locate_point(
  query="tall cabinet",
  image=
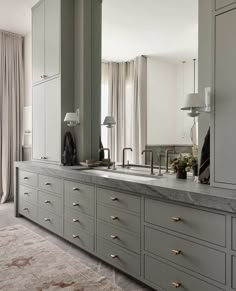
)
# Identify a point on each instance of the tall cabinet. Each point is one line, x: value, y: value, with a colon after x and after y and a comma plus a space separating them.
x: 53, y: 75
x: 223, y: 138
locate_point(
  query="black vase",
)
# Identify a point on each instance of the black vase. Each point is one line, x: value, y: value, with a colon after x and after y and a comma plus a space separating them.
x: 181, y: 174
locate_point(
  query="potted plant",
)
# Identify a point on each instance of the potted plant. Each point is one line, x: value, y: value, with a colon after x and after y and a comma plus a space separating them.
x: 180, y: 166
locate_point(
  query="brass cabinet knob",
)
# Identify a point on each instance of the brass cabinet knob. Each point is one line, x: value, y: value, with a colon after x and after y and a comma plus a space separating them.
x: 47, y: 219
x: 176, y: 219
x: 114, y: 236
x: 75, y: 220
x: 26, y: 178
x: 47, y: 184
x: 114, y: 256
x: 114, y: 217
x: 25, y: 209
x: 76, y: 189
x: 176, y: 285
x: 26, y: 193
x: 75, y: 236
x: 47, y: 201
x: 176, y: 253
x: 75, y: 204
x: 114, y: 199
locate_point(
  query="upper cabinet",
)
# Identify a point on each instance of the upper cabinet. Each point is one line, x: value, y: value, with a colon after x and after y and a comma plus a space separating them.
x: 223, y: 3
x: 223, y: 139
x: 46, y: 32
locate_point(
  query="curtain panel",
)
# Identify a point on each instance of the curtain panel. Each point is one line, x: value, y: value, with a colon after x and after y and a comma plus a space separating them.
x: 127, y: 103
x: 11, y: 95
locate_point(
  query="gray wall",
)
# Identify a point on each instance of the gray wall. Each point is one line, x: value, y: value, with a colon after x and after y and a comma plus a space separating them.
x: 204, y: 61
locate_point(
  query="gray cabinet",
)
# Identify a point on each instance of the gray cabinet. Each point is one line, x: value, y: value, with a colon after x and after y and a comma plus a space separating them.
x: 234, y: 233
x: 223, y: 139
x: 223, y: 3
x: 46, y: 39
x: 234, y: 273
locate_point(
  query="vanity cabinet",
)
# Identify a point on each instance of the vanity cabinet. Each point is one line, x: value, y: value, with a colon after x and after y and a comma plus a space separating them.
x: 46, y: 39
x: 53, y: 79
x: 163, y: 244
x: 46, y: 121
x: 223, y: 3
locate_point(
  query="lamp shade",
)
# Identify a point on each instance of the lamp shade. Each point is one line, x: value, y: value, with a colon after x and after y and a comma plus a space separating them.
x: 71, y: 116
x: 109, y: 121
x: 193, y: 101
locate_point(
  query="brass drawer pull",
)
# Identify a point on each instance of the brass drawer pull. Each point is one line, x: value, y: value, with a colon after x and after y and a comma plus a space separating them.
x: 47, y: 219
x: 114, y: 256
x: 114, y: 199
x: 114, y: 236
x: 47, y: 201
x: 26, y: 178
x: 75, y: 220
x: 176, y: 219
x: 25, y: 209
x: 76, y: 189
x: 75, y: 204
x: 176, y: 253
x: 114, y: 217
x: 176, y: 285
x: 26, y: 193
x: 75, y: 236
x: 47, y: 184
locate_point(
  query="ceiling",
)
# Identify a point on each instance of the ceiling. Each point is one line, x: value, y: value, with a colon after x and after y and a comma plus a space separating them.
x: 165, y: 28
x: 15, y: 15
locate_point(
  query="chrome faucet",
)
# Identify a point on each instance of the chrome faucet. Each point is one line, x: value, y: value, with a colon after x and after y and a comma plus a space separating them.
x: 167, y: 158
x: 109, y: 156
x: 151, y: 152
x: 123, y: 159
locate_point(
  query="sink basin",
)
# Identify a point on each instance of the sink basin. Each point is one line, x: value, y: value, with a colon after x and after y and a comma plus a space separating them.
x: 122, y: 176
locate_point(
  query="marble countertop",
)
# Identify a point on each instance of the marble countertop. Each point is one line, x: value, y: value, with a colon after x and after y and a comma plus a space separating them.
x: 166, y: 187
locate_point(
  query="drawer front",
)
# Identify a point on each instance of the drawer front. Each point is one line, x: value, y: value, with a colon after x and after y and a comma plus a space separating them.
x: 28, y: 178
x: 80, y: 220
x: 168, y: 278
x: 119, y: 200
x: 234, y: 233
x: 119, y: 218
x: 80, y: 203
x: 118, y: 257
x: 196, y: 223
x: 78, y: 237
x: 234, y: 272
x: 28, y: 210
x: 51, y: 184
x: 223, y: 3
x: 28, y: 194
x: 50, y: 221
x: 192, y: 256
x: 83, y: 190
x: 51, y: 203
x: 118, y: 237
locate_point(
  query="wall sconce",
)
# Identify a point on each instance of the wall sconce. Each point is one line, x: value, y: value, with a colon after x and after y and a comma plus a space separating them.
x: 109, y: 121
x: 72, y: 118
x: 194, y: 104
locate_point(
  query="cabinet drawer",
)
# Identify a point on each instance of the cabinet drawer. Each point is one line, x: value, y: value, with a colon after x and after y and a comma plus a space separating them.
x: 165, y: 276
x: 80, y: 220
x: 234, y: 233
x: 79, y: 202
x: 50, y: 221
x: 119, y: 257
x: 119, y: 218
x: 192, y: 256
x: 28, y: 194
x: 28, y: 210
x: 28, y: 178
x: 78, y: 237
x: 196, y: 223
x: 118, y: 237
x: 234, y: 272
x: 51, y: 203
x: 51, y: 184
x: 119, y: 200
x: 223, y: 3
x: 83, y: 190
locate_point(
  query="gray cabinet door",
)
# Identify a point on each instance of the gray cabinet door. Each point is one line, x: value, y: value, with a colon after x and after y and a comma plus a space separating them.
x: 234, y: 272
x: 38, y: 42
x: 225, y: 99
x: 52, y: 37
x: 223, y: 3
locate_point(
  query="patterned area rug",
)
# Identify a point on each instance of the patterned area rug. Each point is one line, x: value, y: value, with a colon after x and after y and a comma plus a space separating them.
x: 30, y: 262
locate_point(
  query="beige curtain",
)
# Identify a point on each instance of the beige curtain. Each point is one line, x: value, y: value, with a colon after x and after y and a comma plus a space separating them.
x: 11, y: 94
x: 127, y: 96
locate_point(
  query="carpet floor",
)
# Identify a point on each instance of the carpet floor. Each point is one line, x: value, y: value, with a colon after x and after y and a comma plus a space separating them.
x: 31, y: 262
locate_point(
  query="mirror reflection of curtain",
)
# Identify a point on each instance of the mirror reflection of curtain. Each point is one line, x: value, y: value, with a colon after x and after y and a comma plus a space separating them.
x: 11, y: 95
x: 124, y: 96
